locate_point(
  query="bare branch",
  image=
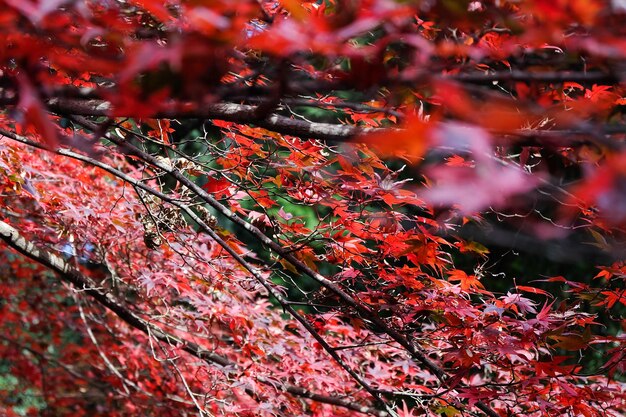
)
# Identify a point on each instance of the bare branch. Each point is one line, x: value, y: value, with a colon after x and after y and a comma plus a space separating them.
x: 230, y: 112
x: 329, y: 132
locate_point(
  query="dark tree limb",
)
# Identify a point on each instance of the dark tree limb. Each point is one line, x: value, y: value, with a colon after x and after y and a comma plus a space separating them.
x: 542, y: 77
x: 230, y: 112
x: 84, y: 105
x: 329, y: 132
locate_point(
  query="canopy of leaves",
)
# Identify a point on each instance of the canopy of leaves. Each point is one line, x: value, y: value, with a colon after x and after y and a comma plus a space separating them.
x: 289, y: 208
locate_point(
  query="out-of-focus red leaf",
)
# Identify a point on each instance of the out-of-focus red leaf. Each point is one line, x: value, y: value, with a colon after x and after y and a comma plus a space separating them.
x: 410, y: 142
x: 295, y: 9
x: 35, y: 11
x: 494, y: 113
x: 155, y: 7
x: 35, y: 113
x: 473, y: 189
x: 605, y: 189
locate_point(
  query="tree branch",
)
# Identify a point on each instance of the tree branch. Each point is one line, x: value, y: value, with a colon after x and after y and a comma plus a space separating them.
x: 255, y: 273
x: 85, y: 284
x: 363, y: 310
x: 542, y: 77
x: 74, y: 277
x: 230, y: 112
x: 329, y: 132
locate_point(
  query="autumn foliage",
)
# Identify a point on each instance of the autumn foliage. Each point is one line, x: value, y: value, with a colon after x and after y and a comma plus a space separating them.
x: 324, y: 208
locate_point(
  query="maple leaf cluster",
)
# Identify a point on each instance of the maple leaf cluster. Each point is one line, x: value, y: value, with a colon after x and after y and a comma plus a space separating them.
x: 315, y: 208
